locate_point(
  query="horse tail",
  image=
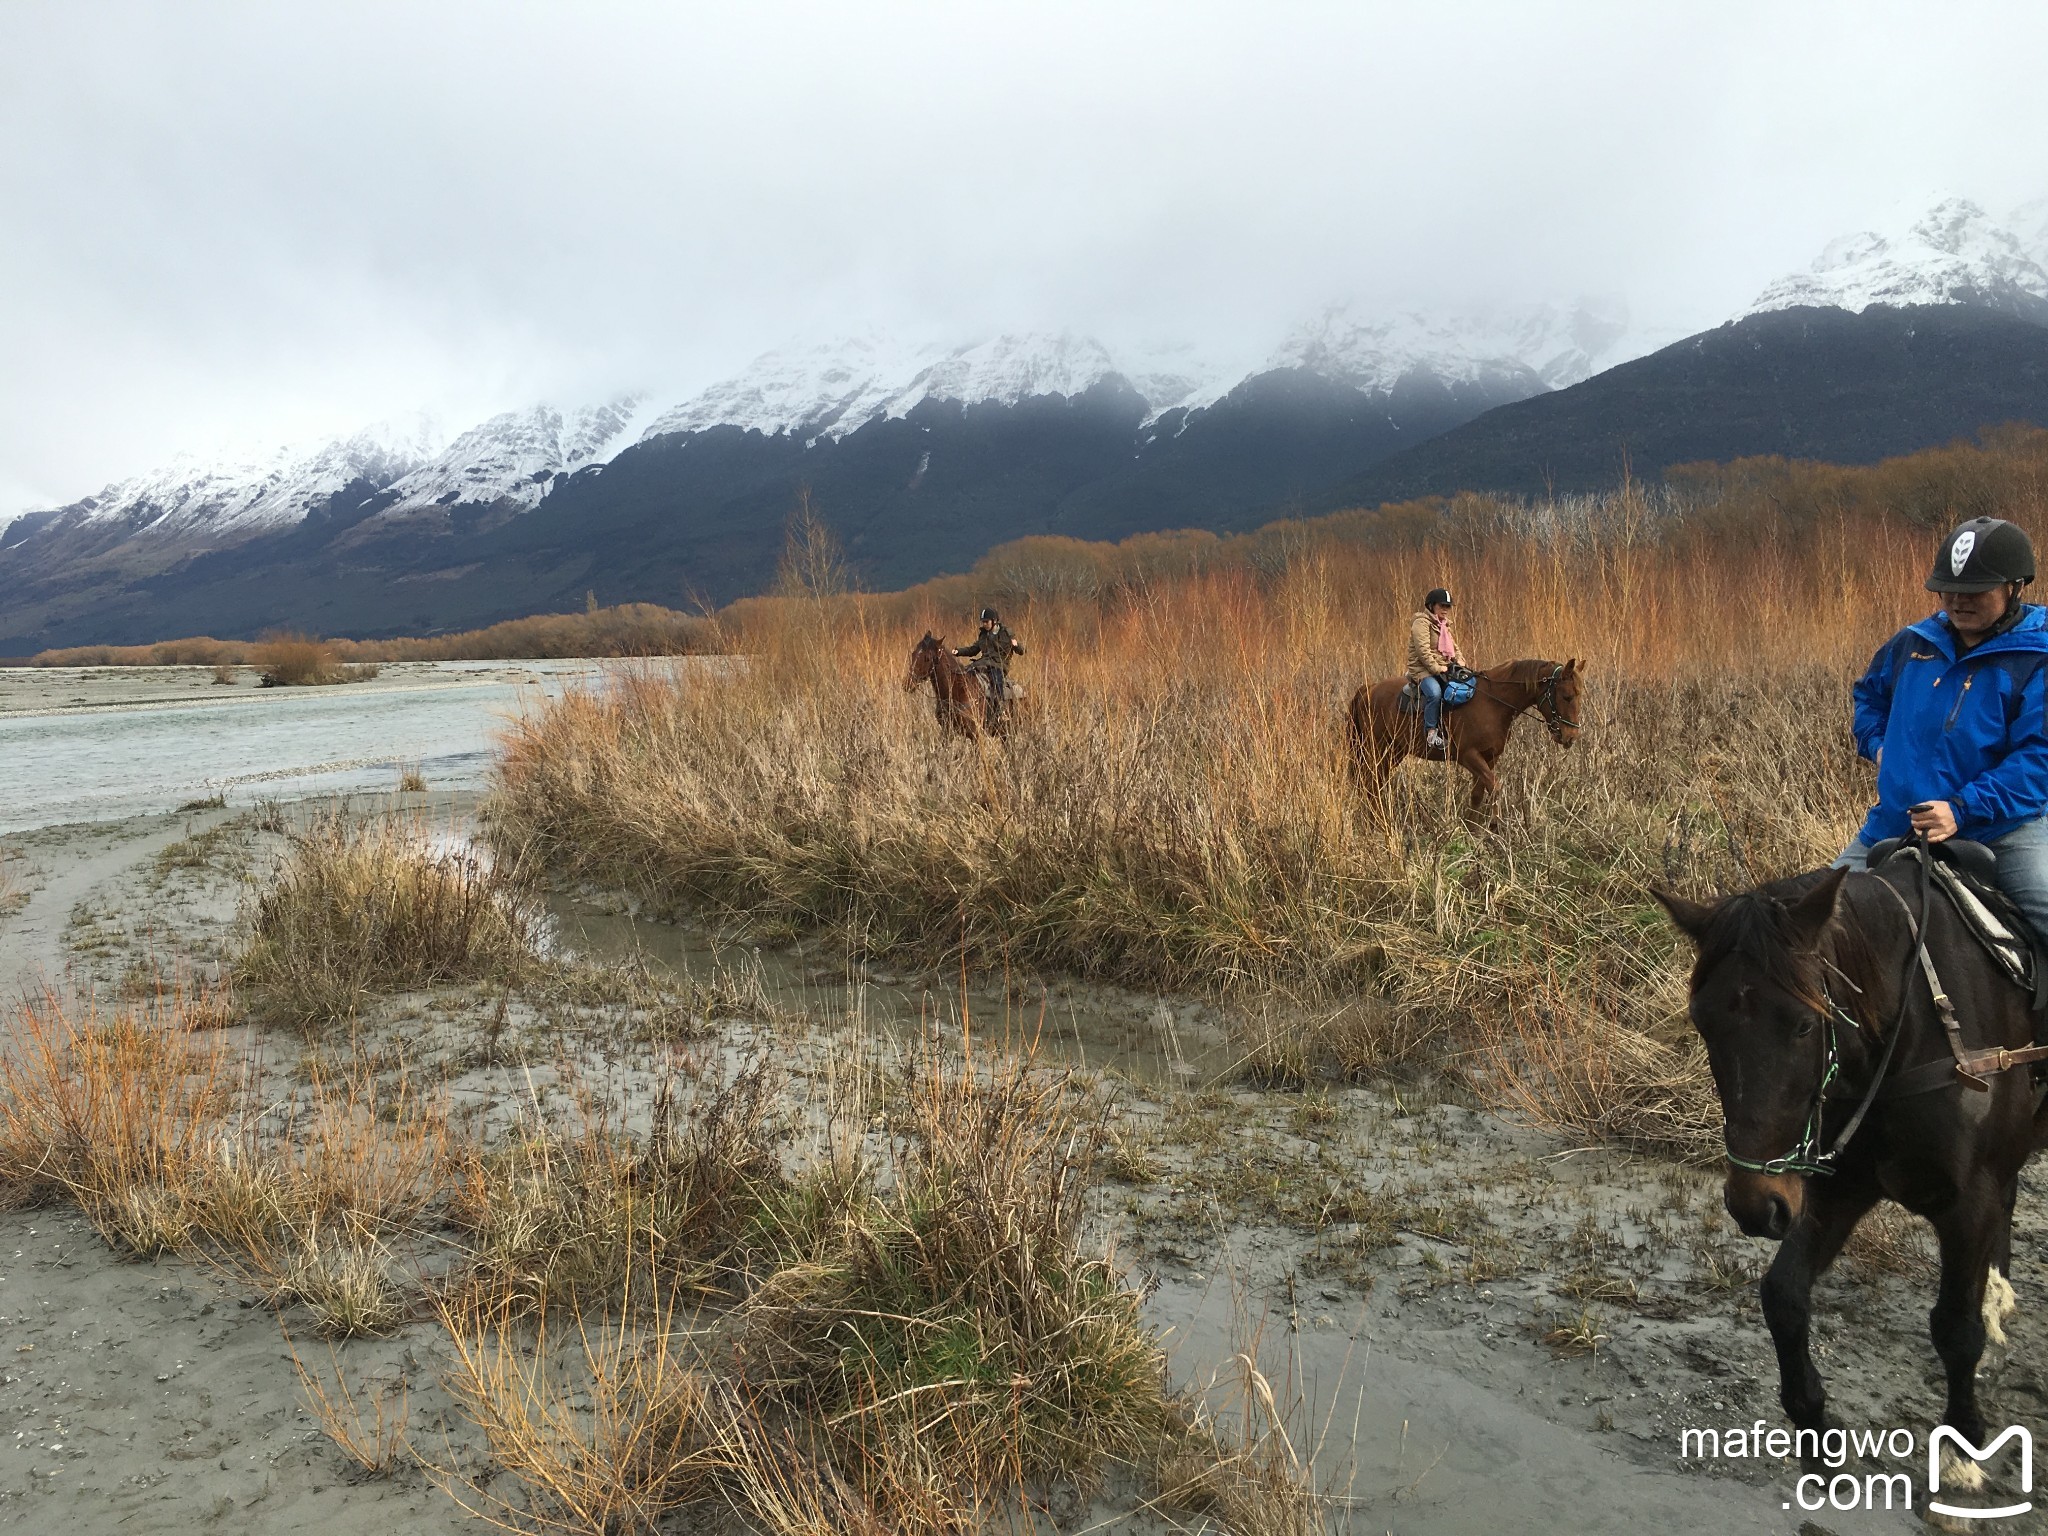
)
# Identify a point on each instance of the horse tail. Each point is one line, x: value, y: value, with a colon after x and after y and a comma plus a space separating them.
x: 1355, y: 737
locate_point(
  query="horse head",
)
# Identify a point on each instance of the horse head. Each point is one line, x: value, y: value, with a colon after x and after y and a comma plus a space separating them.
x: 924, y: 660
x: 1759, y: 1002
x: 1560, y: 703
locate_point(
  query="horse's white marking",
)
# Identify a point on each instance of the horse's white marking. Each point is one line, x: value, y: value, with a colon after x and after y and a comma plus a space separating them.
x: 1961, y: 1472
x: 1999, y: 1303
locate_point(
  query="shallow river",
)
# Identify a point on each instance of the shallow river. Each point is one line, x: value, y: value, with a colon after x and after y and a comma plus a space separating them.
x: 97, y: 743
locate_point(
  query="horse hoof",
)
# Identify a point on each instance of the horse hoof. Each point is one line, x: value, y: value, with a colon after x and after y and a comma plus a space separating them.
x: 2000, y: 1302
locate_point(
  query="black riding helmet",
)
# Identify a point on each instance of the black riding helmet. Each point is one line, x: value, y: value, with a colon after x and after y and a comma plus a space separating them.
x: 988, y: 616
x: 1983, y: 553
x: 1437, y: 596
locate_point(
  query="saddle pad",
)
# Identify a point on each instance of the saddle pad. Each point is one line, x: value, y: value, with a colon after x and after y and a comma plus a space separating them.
x: 1993, y: 921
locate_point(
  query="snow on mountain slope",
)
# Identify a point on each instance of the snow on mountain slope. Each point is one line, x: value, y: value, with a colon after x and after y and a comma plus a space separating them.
x: 516, y: 456
x: 1545, y: 346
x: 832, y: 387
x: 242, y: 494
x: 1952, y: 254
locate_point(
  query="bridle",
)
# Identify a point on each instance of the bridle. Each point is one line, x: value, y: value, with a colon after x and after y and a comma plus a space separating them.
x: 1807, y: 1157
x: 1554, y: 718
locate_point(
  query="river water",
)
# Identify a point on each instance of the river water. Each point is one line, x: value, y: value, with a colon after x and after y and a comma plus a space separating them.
x: 101, y: 743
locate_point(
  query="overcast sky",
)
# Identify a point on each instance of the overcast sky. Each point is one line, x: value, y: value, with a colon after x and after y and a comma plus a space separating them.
x: 250, y: 222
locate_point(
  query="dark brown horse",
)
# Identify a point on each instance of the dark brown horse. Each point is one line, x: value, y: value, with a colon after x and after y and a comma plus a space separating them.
x: 1841, y: 1085
x: 1380, y: 735
x: 961, y: 702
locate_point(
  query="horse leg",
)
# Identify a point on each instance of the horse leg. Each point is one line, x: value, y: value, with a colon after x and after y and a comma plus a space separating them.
x: 1999, y: 1300
x: 1484, y: 781
x: 1830, y: 1215
x: 1970, y: 1231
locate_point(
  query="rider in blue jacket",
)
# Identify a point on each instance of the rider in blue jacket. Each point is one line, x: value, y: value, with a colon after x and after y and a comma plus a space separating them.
x: 1954, y: 711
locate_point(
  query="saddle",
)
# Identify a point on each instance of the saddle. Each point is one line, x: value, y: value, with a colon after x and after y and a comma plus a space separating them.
x: 1459, y: 686
x: 1964, y: 873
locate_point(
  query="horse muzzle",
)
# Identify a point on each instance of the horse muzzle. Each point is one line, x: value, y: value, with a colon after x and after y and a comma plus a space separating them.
x: 1764, y: 1204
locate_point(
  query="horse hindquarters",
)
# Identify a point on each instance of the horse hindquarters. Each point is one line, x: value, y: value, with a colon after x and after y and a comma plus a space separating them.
x: 1374, y: 742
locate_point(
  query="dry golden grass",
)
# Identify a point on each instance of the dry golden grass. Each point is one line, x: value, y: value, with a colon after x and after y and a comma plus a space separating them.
x: 147, y: 1122
x: 672, y: 1319
x: 1176, y: 811
x: 913, y: 1347
x: 549, y: 1217
x: 295, y: 661
x: 367, y: 906
x: 368, y: 1426
x: 110, y: 1111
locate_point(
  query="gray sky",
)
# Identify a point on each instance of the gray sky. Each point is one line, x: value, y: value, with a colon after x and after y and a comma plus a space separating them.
x: 246, y: 222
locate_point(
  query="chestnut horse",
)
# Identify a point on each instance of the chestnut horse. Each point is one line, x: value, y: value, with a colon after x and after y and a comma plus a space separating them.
x: 962, y: 705
x: 1380, y: 735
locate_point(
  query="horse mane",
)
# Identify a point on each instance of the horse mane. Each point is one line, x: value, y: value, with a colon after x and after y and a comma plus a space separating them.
x: 1754, y: 932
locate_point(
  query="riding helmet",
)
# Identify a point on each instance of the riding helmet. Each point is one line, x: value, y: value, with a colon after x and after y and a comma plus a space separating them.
x: 1438, y: 596
x: 1983, y: 553
x: 988, y: 616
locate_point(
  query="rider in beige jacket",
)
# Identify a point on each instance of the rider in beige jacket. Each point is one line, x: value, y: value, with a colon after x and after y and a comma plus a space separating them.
x: 1431, y: 652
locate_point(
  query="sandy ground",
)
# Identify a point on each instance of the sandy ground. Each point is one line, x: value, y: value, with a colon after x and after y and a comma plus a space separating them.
x: 1432, y: 1351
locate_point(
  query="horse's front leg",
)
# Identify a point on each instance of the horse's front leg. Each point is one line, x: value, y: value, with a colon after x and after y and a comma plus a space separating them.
x: 1970, y: 1231
x: 1485, y: 783
x: 1830, y: 1215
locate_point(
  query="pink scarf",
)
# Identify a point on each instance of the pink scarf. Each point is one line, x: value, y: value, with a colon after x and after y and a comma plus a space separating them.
x: 1446, y: 647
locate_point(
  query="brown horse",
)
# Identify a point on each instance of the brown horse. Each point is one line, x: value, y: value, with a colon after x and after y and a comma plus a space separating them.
x: 1380, y: 735
x: 961, y: 703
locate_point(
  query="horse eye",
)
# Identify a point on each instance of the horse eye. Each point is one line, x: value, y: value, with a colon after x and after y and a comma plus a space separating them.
x: 1805, y: 1027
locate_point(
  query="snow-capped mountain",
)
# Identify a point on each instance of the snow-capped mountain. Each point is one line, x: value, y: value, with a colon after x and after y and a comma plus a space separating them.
x: 241, y: 494
x: 513, y: 459
x: 1350, y: 361
x: 1952, y: 254
x: 834, y: 388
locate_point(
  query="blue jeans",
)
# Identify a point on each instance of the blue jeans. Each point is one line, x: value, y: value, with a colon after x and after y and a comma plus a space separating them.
x: 2022, y: 868
x: 1432, y: 702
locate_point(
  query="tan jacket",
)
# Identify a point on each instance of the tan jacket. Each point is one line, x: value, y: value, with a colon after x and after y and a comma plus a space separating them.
x: 1423, y: 656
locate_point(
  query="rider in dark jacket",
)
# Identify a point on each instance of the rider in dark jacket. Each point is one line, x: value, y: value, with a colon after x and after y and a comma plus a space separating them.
x: 1954, y: 711
x: 990, y: 656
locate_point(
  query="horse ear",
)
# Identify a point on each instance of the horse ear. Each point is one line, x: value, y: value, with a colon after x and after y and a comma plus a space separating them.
x: 1692, y: 917
x: 1811, y: 913
x: 1571, y: 666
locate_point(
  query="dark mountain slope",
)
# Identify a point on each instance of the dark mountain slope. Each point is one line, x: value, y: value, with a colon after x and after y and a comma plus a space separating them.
x: 1806, y: 383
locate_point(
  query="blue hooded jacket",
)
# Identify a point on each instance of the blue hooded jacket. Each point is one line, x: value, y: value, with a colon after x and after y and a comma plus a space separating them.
x: 1971, y: 729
